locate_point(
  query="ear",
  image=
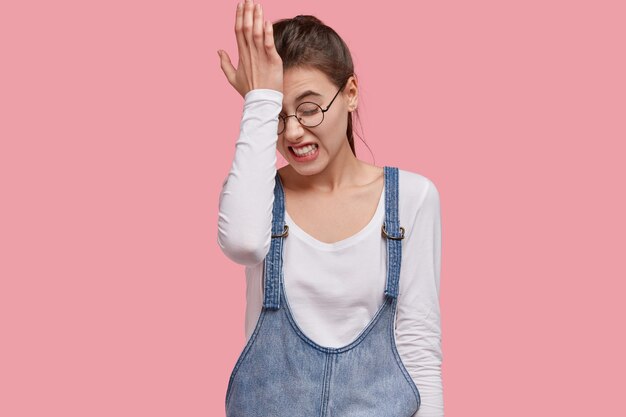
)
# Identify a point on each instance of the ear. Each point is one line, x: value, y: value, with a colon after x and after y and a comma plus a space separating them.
x: 352, y: 93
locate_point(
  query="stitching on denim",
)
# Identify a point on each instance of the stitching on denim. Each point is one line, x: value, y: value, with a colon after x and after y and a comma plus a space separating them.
x: 328, y: 368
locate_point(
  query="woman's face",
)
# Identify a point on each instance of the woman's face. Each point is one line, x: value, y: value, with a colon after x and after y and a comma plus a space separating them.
x: 330, y: 136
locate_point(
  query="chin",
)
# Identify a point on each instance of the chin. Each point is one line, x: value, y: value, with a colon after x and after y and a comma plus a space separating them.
x: 309, y: 169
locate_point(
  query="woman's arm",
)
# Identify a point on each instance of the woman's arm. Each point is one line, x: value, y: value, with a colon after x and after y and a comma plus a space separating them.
x: 418, y: 324
x: 247, y: 196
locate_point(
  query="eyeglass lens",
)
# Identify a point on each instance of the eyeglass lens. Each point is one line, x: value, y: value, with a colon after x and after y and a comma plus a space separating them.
x: 308, y: 114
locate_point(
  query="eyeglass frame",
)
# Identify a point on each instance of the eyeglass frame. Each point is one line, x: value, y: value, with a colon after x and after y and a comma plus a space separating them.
x: 284, y: 118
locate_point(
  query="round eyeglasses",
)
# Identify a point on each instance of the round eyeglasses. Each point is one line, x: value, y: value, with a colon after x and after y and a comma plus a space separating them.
x: 309, y: 114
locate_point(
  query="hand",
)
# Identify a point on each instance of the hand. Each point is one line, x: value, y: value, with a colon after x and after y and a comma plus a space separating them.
x: 259, y: 65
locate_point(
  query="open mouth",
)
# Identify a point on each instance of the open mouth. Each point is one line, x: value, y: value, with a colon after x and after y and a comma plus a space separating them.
x: 303, y: 151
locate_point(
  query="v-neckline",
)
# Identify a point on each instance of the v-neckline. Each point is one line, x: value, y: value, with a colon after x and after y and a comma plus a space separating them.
x: 375, y: 222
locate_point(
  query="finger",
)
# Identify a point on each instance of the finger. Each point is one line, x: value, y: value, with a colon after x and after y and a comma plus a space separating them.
x: 270, y: 47
x: 247, y: 22
x: 241, y: 41
x: 227, y: 67
x: 257, y: 29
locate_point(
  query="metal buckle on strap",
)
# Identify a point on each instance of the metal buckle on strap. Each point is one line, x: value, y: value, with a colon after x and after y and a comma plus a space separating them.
x: 285, y: 232
x: 384, y: 232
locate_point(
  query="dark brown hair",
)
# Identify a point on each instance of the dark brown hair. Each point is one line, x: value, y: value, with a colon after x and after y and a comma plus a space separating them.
x: 305, y: 41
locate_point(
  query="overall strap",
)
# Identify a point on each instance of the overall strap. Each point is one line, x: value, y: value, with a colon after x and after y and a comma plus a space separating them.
x: 392, y: 231
x: 273, y: 270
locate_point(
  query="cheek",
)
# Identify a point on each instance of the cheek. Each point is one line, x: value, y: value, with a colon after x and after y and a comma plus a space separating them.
x: 281, y: 149
x: 333, y: 135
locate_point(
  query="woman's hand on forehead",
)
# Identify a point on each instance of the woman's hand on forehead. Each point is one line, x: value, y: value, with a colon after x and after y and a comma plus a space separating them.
x: 259, y: 64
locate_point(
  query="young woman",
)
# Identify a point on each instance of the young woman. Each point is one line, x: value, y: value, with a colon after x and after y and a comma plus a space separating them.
x: 342, y: 257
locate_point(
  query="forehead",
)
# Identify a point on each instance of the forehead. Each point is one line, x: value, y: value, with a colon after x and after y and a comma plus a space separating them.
x: 299, y: 80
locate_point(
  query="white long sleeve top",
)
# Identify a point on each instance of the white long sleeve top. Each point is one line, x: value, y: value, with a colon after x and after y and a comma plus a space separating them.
x: 334, y: 289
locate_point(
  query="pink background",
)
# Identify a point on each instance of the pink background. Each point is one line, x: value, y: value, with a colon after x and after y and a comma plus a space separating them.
x: 118, y: 128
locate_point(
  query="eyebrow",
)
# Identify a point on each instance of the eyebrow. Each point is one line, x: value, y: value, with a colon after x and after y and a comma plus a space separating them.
x: 303, y: 95
x: 306, y: 94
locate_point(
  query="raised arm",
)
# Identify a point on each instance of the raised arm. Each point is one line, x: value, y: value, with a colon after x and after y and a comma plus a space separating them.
x: 246, y: 199
x: 247, y: 196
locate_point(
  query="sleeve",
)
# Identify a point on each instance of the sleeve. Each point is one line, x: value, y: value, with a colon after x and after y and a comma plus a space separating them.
x: 418, y: 324
x: 247, y: 196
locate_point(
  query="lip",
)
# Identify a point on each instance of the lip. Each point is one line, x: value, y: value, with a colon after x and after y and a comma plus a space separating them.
x: 300, y: 146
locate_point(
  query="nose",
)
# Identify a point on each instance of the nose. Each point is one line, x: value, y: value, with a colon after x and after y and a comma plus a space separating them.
x: 293, y: 128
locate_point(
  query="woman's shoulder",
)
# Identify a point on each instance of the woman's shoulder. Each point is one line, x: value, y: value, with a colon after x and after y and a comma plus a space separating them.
x: 414, y: 182
x: 415, y: 190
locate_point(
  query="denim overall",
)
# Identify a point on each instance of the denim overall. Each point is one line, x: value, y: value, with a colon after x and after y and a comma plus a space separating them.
x: 283, y: 373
